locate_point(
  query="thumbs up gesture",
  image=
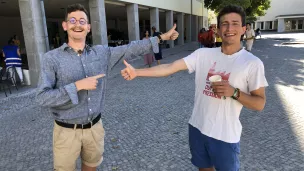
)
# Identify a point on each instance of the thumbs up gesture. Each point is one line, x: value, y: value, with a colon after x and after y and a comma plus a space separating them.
x: 89, y: 83
x: 129, y: 72
x: 172, y: 34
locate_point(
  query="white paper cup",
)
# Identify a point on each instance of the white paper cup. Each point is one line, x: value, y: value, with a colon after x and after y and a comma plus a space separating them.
x: 215, y: 78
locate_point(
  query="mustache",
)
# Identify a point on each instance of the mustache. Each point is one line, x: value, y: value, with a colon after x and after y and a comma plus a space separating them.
x: 77, y: 27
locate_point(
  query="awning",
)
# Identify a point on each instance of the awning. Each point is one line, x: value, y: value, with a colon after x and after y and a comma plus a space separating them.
x: 290, y: 16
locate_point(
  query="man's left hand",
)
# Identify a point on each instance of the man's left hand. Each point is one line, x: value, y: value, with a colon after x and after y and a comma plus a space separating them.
x: 222, y: 88
x: 172, y: 34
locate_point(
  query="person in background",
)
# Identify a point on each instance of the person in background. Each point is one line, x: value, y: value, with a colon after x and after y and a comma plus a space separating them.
x: 211, y: 37
x: 200, y: 38
x: 159, y: 55
x: 11, y: 53
x: 16, y: 40
x: 258, y: 33
x: 218, y: 40
x: 148, y: 58
x: 249, y: 37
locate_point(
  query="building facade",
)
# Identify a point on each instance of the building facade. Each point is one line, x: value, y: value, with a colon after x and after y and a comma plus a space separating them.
x: 283, y: 16
x: 38, y: 23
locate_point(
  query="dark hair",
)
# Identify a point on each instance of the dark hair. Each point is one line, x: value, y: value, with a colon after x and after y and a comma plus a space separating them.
x: 75, y: 7
x: 248, y: 24
x: 232, y: 9
x: 145, y: 33
x: 10, y: 41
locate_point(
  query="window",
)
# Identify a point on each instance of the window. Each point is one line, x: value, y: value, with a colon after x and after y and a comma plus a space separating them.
x: 270, y: 25
x: 262, y: 25
x: 294, y: 24
x: 288, y: 25
x: 300, y: 25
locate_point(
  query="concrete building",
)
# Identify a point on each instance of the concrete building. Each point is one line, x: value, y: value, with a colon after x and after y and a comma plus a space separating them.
x: 283, y: 16
x: 38, y: 23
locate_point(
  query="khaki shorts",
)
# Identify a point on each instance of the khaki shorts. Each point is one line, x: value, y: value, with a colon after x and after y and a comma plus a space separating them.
x: 69, y: 143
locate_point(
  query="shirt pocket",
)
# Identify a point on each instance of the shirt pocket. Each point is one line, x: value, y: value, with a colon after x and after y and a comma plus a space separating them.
x: 95, y: 67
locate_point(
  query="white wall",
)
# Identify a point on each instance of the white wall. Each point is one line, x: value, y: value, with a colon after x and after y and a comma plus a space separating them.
x: 174, y: 5
x: 283, y: 7
x: 197, y: 7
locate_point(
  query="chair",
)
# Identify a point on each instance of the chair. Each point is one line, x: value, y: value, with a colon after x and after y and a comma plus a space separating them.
x: 10, y: 77
x: 4, y: 84
x: 7, y: 80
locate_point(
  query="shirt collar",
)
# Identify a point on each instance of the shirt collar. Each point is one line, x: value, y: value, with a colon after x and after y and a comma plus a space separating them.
x: 65, y: 47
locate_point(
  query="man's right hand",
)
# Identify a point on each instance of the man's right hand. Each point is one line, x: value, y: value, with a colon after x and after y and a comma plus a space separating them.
x: 89, y: 83
x: 129, y: 72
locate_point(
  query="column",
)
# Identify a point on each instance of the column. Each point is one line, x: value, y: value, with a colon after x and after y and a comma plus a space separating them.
x: 256, y: 25
x: 154, y: 19
x: 180, y: 28
x: 281, y: 25
x: 47, y: 44
x: 169, y: 25
x: 200, y: 23
x: 98, y: 22
x: 205, y: 22
x: 194, y: 27
x: 33, y: 26
x: 265, y: 26
x: 133, y: 22
x: 188, y: 28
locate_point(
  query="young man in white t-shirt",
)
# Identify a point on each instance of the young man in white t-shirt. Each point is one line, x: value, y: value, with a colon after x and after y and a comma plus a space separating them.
x: 214, y: 127
x: 249, y: 37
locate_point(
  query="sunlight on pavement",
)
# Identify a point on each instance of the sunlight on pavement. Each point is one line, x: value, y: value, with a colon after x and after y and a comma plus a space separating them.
x: 292, y: 101
x: 296, y: 36
x: 291, y: 45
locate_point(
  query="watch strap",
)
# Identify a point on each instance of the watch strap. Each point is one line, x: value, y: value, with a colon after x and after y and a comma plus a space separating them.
x: 236, y: 94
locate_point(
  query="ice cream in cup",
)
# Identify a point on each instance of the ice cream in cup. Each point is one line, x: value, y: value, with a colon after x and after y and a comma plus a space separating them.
x: 216, y: 78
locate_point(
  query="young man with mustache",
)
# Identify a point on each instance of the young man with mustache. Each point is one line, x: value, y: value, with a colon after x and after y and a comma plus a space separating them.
x: 72, y: 84
x: 214, y: 127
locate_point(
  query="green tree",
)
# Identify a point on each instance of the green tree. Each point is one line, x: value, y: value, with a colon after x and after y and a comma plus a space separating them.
x: 253, y: 8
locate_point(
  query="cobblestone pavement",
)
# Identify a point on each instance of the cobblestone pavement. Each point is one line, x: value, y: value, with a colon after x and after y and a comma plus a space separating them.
x: 146, y: 120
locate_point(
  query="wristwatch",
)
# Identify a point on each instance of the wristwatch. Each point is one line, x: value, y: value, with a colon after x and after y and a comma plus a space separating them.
x: 161, y: 41
x: 236, y: 94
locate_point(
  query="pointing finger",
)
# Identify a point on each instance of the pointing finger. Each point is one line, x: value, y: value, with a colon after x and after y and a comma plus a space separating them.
x: 99, y: 76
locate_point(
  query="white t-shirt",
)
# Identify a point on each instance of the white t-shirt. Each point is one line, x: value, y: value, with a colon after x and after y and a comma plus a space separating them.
x: 215, y: 116
x: 249, y: 34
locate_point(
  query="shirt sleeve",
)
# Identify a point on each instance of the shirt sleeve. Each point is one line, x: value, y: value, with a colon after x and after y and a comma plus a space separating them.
x: 256, y: 78
x: 47, y: 95
x: 252, y: 33
x: 133, y: 50
x: 191, y: 61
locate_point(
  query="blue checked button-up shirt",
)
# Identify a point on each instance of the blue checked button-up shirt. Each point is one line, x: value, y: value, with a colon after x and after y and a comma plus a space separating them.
x: 62, y: 67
